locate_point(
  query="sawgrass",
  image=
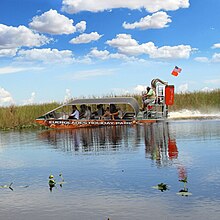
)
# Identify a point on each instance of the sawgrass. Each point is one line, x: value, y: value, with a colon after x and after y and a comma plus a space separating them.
x: 205, y: 102
x: 21, y: 117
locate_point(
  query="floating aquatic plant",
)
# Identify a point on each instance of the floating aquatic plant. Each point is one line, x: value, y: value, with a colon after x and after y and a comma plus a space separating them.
x: 161, y: 186
x: 184, y: 191
x: 62, y: 180
x: 7, y: 186
x: 184, y: 180
x: 52, y: 182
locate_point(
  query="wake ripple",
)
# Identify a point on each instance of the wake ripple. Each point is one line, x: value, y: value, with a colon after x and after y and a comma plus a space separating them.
x: 189, y: 114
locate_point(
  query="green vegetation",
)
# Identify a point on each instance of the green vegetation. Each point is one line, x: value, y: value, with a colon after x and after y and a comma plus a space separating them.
x: 205, y: 102
x: 20, y: 117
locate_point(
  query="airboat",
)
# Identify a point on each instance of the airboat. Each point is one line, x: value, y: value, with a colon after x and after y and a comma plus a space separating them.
x: 131, y: 112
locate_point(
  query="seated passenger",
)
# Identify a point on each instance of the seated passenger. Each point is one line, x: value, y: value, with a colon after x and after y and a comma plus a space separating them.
x: 82, y: 111
x: 75, y: 113
x: 87, y: 114
x: 148, y: 97
x: 107, y: 114
x: 114, y: 111
x: 99, y: 112
x: 120, y: 113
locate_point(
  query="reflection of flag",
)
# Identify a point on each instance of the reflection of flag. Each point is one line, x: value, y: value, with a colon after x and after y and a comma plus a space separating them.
x: 172, y: 149
x: 176, y: 71
x: 182, y: 172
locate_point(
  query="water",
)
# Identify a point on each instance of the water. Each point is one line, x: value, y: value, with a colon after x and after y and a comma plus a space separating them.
x: 193, y: 114
x: 110, y: 172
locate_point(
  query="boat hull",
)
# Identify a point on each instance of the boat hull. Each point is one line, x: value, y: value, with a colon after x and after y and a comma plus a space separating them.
x: 73, y: 124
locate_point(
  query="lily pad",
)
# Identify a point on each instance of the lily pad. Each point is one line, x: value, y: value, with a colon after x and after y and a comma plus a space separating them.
x: 184, y: 193
x: 161, y: 186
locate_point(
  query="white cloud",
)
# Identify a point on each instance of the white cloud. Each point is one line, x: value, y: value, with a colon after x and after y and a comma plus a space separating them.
x: 122, y: 40
x: 8, y: 52
x: 174, y: 52
x: 122, y: 57
x: 83, y: 75
x: 86, y: 38
x: 68, y: 95
x: 216, y: 46
x: 74, y: 6
x: 126, y: 45
x: 216, y: 58
x: 183, y: 88
x: 213, y: 81
x: 16, y: 37
x: 47, y: 55
x: 146, y: 48
x: 5, y: 97
x: 101, y: 54
x: 207, y: 89
x: 202, y: 59
x: 135, y: 90
x: 104, y: 55
x: 120, y: 91
x: 11, y: 69
x: 155, y: 21
x: 139, y: 88
x: 53, y: 23
x: 30, y: 100
x: 81, y: 26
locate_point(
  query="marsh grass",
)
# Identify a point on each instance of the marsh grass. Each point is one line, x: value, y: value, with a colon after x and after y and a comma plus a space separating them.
x: 205, y: 102
x: 21, y: 117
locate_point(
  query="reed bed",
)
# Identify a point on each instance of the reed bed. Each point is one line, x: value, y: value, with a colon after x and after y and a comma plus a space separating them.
x: 20, y: 117
x: 205, y: 102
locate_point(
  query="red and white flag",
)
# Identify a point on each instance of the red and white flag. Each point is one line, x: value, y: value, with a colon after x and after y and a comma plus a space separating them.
x: 176, y: 71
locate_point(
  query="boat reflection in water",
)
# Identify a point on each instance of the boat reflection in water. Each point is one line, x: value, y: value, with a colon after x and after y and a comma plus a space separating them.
x: 99, y: 139
x: 155, y: 140
x: 159, y: 144
x: 110, y: 172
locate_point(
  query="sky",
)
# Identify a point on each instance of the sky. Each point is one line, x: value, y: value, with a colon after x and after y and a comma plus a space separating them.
x: 54, y: 50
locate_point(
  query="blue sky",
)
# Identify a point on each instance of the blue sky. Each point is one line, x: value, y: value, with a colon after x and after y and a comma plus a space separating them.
x: 52, y: 50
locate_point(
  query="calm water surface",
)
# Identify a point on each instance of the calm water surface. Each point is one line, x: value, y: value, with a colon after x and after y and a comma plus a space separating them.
x: 110, y: 172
